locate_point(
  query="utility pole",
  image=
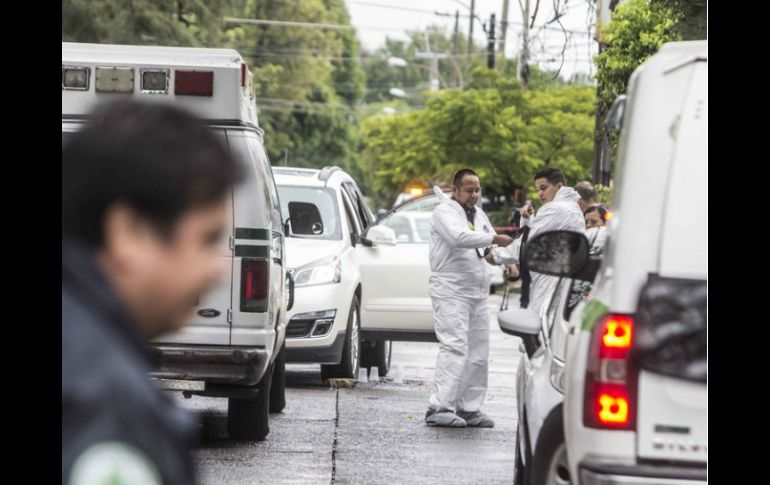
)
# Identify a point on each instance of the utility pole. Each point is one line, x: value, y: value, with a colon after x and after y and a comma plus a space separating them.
x: 524, y: 56
x: 470, y: 32
x: 456, y: 80
x: 491, y: 43
x: 601, y: 143
x: 503, y: 29
x: 456, y: 33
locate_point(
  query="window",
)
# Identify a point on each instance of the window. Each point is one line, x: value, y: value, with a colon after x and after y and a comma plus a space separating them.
x: 359, y: 204
x: 411, y: 222
x: 355, y: 224
x: 322, y: 198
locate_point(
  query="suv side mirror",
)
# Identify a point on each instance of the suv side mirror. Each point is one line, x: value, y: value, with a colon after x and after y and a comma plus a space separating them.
x: 523, y: 323
x: 305, y: 219
x: 380, y: 234
x: 519, y: 322
x: 557, y: 253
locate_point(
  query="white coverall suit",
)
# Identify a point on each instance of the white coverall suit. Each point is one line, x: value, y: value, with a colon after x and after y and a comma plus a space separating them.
x: 459, y: 287
x: 561, y: 214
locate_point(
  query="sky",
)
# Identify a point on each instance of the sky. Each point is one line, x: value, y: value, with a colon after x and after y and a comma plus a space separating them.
x: 375, y: 20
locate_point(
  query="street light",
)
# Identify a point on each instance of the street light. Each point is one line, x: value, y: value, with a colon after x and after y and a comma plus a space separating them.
x: 397, y: 62
x: 397, y: 93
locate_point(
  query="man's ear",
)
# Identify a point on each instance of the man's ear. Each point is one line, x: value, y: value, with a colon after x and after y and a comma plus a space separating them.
x: 126, y: 234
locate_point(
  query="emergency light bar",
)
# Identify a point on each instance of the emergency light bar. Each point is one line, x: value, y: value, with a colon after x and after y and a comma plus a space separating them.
x: 92, y: 73
x: 152, y: 81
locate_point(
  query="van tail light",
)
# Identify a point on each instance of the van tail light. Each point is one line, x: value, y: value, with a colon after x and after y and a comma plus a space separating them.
x: 255, y: 284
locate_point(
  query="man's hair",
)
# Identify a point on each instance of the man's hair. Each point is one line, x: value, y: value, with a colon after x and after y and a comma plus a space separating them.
x: 586, y: 190
x: 157, y: 159
x: 457, y: 178
x: 597, y: 208
x: 553, y: 175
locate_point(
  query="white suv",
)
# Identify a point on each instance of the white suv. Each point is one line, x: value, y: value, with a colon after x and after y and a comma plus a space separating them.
x: 541, y: 456
x: 324, y: 326
x: 636, y: 399
x: 358, y: 285
x: 653, y: 283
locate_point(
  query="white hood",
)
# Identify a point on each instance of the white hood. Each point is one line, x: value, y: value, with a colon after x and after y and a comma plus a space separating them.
x: 300, y: 252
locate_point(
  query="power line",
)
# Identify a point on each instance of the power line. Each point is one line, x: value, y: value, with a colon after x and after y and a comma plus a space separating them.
x: 408, y: 9
x: 317, y: 56
x: 546, y: 27
x: 287, y: 23
x: 306, y: 25
x: 462, y: 4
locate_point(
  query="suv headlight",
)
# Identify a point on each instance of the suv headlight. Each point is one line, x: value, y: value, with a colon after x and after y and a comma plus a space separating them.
x: 322, y: 272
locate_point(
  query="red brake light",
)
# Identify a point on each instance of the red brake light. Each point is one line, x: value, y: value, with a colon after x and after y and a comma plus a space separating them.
x: 613, y: 407
x: 194, y: 83
x: 616, y: 331
x: 610, y: 385
x: 243, y: 74
x: 255, y: 280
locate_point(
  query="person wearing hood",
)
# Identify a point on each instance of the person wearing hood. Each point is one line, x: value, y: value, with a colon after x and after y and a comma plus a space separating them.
x: 459, y: 288
x: 560, y: 211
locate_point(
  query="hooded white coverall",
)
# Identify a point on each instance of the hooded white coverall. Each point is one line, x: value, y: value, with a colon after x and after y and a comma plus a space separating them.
x: 597, y: 238
x: 459, y: 287
x: 561, y: 214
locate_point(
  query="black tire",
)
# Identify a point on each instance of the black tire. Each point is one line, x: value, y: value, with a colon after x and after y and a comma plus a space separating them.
x: 549, y: 464
x: 377, y: 354
x: 247, y: 419
x: 278, y: 386
x: 521, y: 474
x: 518, y: 472
x: 351, y: 350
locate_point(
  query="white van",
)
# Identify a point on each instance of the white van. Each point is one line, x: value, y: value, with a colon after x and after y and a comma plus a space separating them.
x: 636, y: 401
x: 234, y: 345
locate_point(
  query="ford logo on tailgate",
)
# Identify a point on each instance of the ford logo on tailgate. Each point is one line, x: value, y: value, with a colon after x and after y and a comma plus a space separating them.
x: 209, y: 313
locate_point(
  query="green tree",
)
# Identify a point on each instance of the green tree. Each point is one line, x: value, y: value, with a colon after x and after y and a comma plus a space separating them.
x: 381, y: 77
x: 693, y: 22
x: 140, y: 22
x: 637, y: 30
x: 493, y: 126
x: 307, y: 80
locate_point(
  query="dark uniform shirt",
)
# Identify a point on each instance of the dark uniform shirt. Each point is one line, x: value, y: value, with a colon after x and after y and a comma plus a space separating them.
x: 112, y: 414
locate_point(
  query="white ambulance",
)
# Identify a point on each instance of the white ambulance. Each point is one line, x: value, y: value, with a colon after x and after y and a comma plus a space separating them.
x: 234, y: 345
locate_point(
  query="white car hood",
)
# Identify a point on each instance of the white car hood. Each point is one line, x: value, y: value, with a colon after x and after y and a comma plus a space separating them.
x: 300, y: 252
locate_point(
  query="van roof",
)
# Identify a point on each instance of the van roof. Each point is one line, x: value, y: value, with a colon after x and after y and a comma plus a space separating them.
x: 308, y: 176
x: 229, y: 99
